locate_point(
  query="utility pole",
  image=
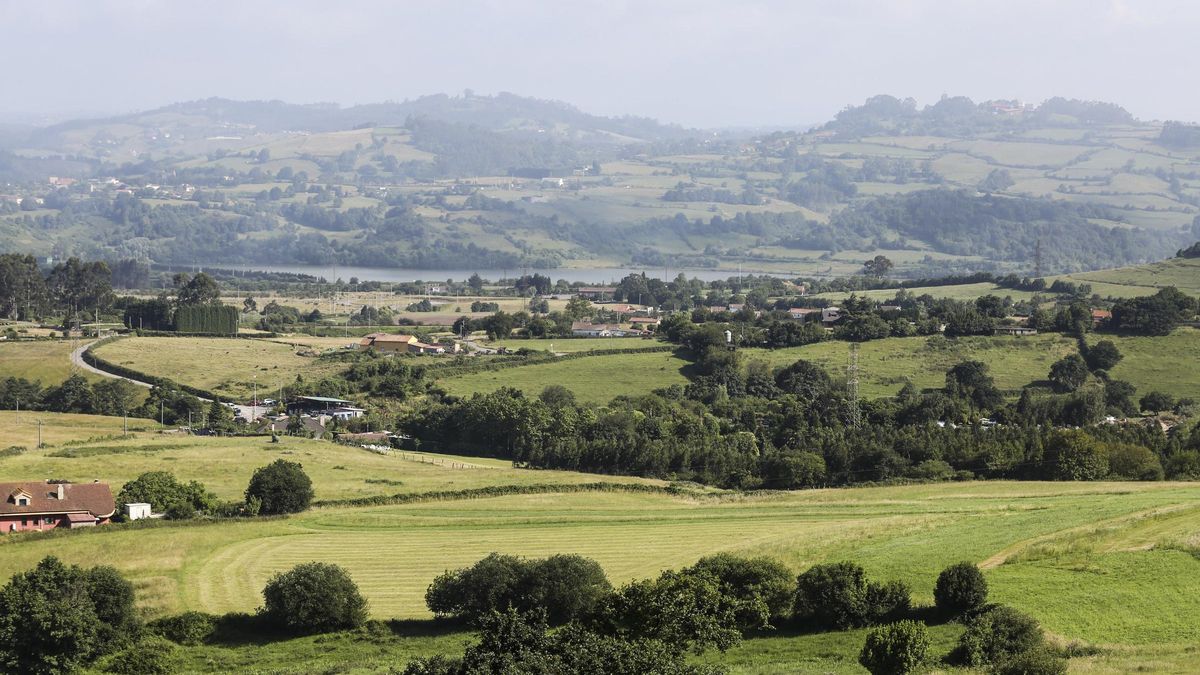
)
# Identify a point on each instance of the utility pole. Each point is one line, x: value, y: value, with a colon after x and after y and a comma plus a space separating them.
x: 124, y: 423
x: 1037, y: 259
x: 162, y: 424
x: 39, y: 433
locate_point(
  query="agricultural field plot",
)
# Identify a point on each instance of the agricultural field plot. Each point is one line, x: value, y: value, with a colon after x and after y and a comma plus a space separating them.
x: 48, y: 361
x: 572, y: 345
x: 1094, y: 562
x: 594, y: 379
x: 1169, y: 364
x: 1023, y: 154
x: 224, y: 366
x: 1182, y: 273
x: 224, y: 465
x: 885, y: 365
x: 955, y: 292
x: 21, y: 429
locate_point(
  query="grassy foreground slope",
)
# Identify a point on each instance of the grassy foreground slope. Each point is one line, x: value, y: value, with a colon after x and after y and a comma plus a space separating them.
x: 1108, y: 563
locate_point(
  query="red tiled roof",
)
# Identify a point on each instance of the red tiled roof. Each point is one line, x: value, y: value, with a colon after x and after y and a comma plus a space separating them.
x: 94, y: 498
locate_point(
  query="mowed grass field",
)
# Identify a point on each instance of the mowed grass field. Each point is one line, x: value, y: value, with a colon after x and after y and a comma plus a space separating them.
x: 955, y: 292
x: 885, y: 365
x: 1109, y: 564
x: 224, y: 366
x: 594, y: 379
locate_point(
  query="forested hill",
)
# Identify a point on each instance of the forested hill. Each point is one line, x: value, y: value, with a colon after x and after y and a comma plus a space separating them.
x: 954, y: 187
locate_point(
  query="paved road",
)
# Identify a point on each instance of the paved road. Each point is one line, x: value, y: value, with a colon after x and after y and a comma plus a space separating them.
x: 243, y: 411
x: 77, y: 360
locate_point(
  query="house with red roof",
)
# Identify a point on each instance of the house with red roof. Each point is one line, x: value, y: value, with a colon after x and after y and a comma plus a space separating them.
x: 36, y: 506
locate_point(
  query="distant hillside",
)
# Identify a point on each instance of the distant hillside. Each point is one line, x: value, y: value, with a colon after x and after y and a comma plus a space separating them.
x: 221, y: 119
x: 504, y: 181
x: 960, y: 116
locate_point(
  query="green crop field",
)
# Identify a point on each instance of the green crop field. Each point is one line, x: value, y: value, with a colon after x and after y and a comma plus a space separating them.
x: 594, y: 379
x: 885, y: 365
x: 1095, y: 562
x: 1169, y: 364
x: 225, y: 366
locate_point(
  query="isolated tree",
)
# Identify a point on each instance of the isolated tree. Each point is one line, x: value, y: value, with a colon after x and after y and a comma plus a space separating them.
x: 198, y: 290
x: 752, y: 581
x: 838, y: 595
x: 1074, y: 455
x: 165, y: 494
x: 557, y: 396
x: 895, y: 649
x: 1156, y: 402
x: 220, y: 417
x: 684, y: 611
x: 960, y: 588
x: 998, y: 634
x: 249, y: 305
x: 1069, y: 373
x: 1103, y: 355
x: 281, y: 487
x: 878, y: 266
x: 996, y: 181
x: 314, y: 598
x: 475, y: 282
x: 55, y: 618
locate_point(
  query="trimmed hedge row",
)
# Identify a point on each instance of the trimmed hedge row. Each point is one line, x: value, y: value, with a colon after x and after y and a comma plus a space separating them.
x: 499, y: 491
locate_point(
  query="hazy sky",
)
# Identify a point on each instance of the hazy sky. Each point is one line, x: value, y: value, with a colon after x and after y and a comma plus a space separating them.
x: 696, y: 62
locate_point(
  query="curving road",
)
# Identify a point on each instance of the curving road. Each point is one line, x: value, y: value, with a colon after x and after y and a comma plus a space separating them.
x: 78, y: 361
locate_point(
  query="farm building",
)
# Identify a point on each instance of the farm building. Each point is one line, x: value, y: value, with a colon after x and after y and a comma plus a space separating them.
x: 1014, y: 330
x: 398, y: 344
x: 586, y: 329
x: 44, y: 505
x: 803, y: 313
x: 596, y: 292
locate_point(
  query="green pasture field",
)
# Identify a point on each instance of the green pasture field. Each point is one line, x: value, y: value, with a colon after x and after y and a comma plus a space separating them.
x: 1183, y: 273
x: 224, y: 366
x: 885, y: 365
x: 1106, y: 564
x: 225, y: 465
x: 21, y: 429
x: 47, y: 361
x: 594, y: 379
x: 1169, y: 364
